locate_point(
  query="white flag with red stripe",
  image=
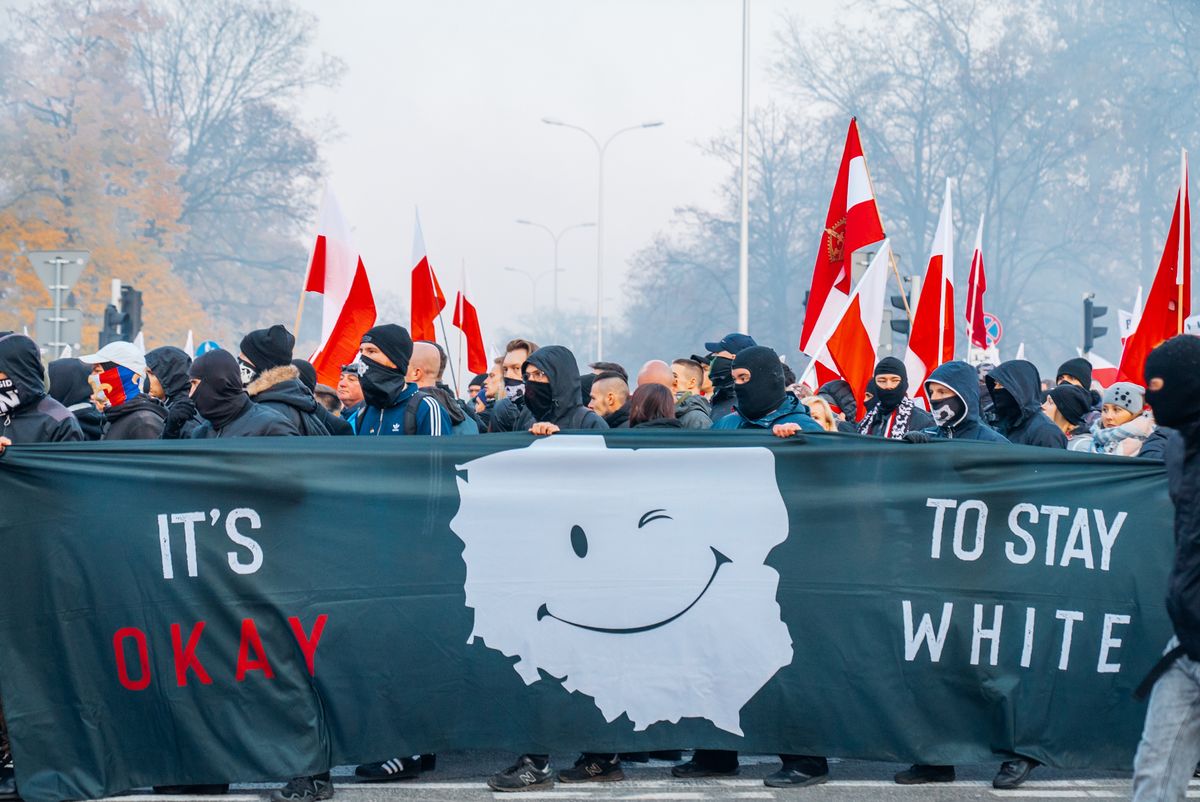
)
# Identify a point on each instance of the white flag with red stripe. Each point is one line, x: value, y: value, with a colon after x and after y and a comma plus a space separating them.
x: 852, y: 222
x: 853, y: 345
x: 931, y: 335
x: 348, y: 309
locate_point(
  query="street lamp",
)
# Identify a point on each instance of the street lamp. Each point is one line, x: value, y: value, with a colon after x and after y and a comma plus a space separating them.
x: 600, y: 150
x: 533, y: 282
x: 556, y: 238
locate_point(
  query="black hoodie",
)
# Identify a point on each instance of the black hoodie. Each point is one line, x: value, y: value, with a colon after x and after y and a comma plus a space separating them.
x: 566, y: 412
x: 228, y: 411
x: 964, y: 381
x: 70, y: 387
x: 139, y: 418
x: 1028, y: 426
x: 280, y: 389
x: 27, y: 414
x: 170, y: 366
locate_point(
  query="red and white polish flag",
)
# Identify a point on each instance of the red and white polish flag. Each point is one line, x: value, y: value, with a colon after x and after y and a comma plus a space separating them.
x: 931, y: 335
x: 976, y: 287
x: 853, y: 345
x: 336, y: 271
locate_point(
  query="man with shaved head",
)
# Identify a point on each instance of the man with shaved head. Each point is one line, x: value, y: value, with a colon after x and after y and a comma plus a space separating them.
x: 655, y: 372
x: 425, y: 370
x: 610, y: 399
x: 692, y: 409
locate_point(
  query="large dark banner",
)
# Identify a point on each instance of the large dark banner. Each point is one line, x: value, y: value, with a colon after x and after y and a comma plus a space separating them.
x: 259, y: 609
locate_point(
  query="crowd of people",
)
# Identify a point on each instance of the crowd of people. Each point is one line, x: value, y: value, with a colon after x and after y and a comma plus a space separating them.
x: 397, y: 386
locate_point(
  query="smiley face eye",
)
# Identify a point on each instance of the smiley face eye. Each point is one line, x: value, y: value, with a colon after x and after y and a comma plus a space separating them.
x: 653, y: 515
x: 579, y: 541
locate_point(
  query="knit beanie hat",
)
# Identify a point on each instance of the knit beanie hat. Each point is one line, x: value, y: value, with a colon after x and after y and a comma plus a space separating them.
x: 394, y: 341
x: 1077, y: 368
x: 268, y: 348
x: 1126, y: 395
x: 1073, y: 402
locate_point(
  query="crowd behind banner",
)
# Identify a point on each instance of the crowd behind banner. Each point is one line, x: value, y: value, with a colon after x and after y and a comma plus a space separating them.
x: 396, y: 387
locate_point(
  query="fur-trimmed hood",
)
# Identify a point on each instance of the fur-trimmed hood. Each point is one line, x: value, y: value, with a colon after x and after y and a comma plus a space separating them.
x: 269, y: 378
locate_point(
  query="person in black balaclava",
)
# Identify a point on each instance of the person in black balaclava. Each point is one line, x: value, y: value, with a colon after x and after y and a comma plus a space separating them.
x: 222, y: 401
x: 893, y: 414
x: 27, y: 413
x: 266, y: 357
x: 1015, y: 389
x: 167, y: 376
x: 720, y: 371
x: 70, y: 387
x: 1166, y: 756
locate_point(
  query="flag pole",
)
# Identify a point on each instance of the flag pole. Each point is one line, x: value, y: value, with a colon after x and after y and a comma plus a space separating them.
x: 458, y: 313
x: 300, y: 303
x: 891, y: 252
x: 942, y: 294
x: 1179, y: 277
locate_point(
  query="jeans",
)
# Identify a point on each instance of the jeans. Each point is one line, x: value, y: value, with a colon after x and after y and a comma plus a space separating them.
x: 1170, y: 745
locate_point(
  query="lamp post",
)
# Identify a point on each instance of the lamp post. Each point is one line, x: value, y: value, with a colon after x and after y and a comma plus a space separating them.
x: 533, y: 282
x: 556, y: 238
x: 601, y: 148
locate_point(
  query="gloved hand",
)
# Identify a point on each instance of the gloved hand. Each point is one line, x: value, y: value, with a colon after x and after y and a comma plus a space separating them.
x: 917, y: 437
x: 179, y: 412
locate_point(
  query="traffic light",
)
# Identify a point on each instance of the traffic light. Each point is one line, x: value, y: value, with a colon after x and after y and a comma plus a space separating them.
x: 110, y: 332
x: 131, y: 312
x: 1091, y: 313
x: 899, y: 325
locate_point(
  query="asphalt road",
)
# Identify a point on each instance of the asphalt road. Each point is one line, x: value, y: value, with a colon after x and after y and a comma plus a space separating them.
x: 462, y: 776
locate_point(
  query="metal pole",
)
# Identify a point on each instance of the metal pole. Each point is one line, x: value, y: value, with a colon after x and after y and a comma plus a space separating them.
x: 556, y: 236
x: 58, y: 263
x: 600, y: 254
x: 744, y: 250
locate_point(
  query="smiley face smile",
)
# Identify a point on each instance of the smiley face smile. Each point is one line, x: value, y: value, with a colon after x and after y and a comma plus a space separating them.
x: 719, y: 560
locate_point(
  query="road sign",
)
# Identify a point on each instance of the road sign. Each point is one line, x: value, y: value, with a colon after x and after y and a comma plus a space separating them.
x: 994, y: 329
x: 45, y: 264
x: 71, y: 331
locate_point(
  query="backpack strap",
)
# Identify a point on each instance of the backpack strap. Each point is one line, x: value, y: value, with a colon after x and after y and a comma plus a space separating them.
x: 410, y: 410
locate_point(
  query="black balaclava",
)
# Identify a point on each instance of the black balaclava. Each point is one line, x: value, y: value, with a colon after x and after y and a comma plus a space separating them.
x: 1177, y: 363
x: 268, y: 348
x: 381, y: 385
x: 1004, y: 404
x: 220, y: 397
x: 721, y: 373
x: 26, y: 383
x: 888, y: 400
x: 766, y: 389
x: 69, y: 383
x: 539, y: 398
x: 308, y: 374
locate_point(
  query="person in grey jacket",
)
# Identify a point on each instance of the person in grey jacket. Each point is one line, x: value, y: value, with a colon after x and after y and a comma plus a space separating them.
x: 692, y: 409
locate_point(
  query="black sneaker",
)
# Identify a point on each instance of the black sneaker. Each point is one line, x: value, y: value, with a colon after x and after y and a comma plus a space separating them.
x: 398, y: 768
x: 793, y: 777
x: 918, y: 774
x: 1014, y: 772
x: 524, y: 775
x: 594, y: 769
x: 8, y: 783
x: 693, y: 770
x: 428, y: 762
x: 304, y: 789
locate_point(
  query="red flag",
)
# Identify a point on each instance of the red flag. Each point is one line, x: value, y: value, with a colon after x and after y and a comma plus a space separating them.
x: 853, y: 344
x: 427, y: 298
x: 1170, y: 301
x: 466, y: 319
x: 337, y: 271
x: 931, y: 336
x: 853, y: 222
x: 976, y: 287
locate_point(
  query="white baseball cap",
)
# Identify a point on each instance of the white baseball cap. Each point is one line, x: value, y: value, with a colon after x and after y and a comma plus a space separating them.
x: 127, y: 355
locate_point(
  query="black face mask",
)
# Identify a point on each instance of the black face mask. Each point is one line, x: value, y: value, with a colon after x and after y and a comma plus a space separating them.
x: 948, y: 411
x: 756, y: 398
x: 380, y: 385
x: 721, y: 372
x: 1172, y: 409
x: 890, y: 399
x: 513, y: 388
x: 249, y: 372
x: 1005, y: 405
x: 10, y: 396
x: 539, y: 398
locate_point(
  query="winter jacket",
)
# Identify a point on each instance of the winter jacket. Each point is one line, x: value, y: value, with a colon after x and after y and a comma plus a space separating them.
x: 1125, y: 440
x: 661, y: 424
x: 558, y: 363
x: 510, y: 415
x: 790, y: 411
x: 722, y: 402
x: 430, y: 417
x: 918, y: 420
x: 255, y: 420
x: 70, y: 387
x: 139, y: 418
x: 1155, y: 445
x: 1182, y: 457
x: 27, y: 414
x: 964, y: 381
x: 170, y: 366
x: 281, y: 390
x: 463, y: 420
x: 336, y: 426
x: 1030, y: 427
x: 618, y: 418
x: 694, y: 412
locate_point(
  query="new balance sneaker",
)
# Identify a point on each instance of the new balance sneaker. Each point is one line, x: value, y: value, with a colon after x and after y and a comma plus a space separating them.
x: 398, y: 768
x: 304, y: 789
x: 524, y: 775
x: 593, y: 769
